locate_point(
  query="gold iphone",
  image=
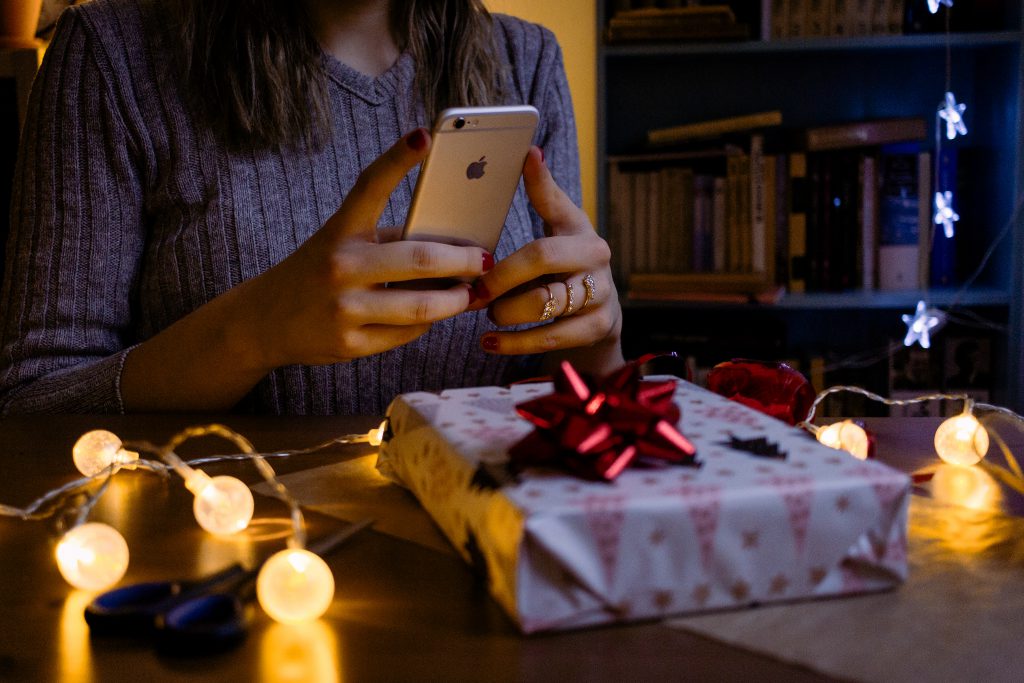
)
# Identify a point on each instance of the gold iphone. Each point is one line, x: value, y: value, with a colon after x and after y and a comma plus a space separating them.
x: 469, y: 178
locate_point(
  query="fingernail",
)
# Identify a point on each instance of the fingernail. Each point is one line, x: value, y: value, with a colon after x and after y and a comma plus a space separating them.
x: 488, y: 261
x: 472, y: 294
x: 489, y: 342
x: 480, y: 289
x: 417, y: 140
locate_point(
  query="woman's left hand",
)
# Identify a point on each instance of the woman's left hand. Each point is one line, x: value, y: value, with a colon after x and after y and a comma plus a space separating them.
x: 563, y: 280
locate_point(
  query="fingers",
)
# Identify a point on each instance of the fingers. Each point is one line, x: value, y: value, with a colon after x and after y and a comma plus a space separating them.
x: 402, y: 307
x: 587, y: 329
x: 554, y: 206
x: 362, y: 208
x: 571, y: 297
x: 407, y: 260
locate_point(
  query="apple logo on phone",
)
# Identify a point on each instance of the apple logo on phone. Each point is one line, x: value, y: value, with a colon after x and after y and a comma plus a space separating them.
x: 476, y: 169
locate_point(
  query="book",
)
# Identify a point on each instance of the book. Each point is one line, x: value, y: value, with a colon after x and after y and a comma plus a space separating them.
x: 672, y: 135
x: 865, y: 133
x: 716, y: 287
x: 620, y: 224
x: 797, y: 237
x: 924, y: 217
x: 819, y: 19
x: 943, y: 249
x: 868, y: 218
x: 899, y: 218
x: 719, y: 223
x: 778, y: 24
x: 796, y: 19
x: 758, y: 248
x: 860, y: 17
x: 698, y: 22
x: 841, y: 18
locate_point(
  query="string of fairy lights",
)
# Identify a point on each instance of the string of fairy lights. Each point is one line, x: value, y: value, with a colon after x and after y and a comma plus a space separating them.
x: 293, y: 585
x: 927, y: 320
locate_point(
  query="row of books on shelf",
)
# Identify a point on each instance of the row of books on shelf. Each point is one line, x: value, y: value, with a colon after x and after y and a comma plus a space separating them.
x: 669, y: 20
x: 850, y: 206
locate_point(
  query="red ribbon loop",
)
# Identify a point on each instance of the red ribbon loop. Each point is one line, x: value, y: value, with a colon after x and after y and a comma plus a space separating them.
x: 595, y: 429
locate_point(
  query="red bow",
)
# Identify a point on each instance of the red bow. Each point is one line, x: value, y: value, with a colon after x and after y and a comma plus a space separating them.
x: 596, y: 429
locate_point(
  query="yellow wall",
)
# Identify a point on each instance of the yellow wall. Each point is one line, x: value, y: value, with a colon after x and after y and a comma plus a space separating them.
x: 573, y: 22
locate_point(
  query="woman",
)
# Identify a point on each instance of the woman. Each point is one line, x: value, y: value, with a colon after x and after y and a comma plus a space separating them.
x: 177, y: 241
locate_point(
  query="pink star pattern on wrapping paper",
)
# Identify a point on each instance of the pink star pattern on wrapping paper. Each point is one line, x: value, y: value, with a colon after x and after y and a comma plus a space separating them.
x: 740, y: 590
x: 751, y: 539
x: 605, y: 516
x: 703, y: 503
x: 701, y: 593
x: 796, y: 493
x: 779, y: 584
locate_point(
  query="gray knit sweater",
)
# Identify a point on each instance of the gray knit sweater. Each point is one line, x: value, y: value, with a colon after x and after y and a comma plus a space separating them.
x: 127, y: 215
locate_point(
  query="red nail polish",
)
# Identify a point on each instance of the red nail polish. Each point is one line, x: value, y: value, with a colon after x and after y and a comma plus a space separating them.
x: 488, y: 259
x: 489, y: 342
x: 472, y: 295
x: 417, y: 140
x: 481, y: 289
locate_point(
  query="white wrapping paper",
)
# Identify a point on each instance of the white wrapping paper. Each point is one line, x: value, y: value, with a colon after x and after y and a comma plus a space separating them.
x: 560, y: 552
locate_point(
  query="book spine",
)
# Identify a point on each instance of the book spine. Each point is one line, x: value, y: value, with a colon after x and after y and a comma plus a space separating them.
x: 924, y: 217
x: 620, y: 208
x: 758, y: 219
x: 818, y: 18
x: 898, y: 219
x: 796, y: 19
x: 797, y: 241
x: 943, y: 256
x: 868, y: 221
x: 720, y: 222
x: 769, y: 228
x: 779, y: 27
x: 781, y: 241
x: 641, y: 238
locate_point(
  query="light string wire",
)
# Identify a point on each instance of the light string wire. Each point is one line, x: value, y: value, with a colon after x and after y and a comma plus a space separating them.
x: 46, y: 505
x: 1012, y: 475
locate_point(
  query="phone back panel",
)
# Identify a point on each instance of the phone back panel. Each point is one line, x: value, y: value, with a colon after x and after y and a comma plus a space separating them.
x: 469, y: 178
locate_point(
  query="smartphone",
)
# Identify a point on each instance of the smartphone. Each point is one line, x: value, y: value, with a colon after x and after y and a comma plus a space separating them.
x: 469, y: 178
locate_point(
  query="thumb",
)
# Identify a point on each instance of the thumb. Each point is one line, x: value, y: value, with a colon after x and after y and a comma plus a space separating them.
x: 551, y: 204
x: 365, y: 203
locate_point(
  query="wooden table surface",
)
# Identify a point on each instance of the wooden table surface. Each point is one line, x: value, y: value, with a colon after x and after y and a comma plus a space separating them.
x: 402, y: 612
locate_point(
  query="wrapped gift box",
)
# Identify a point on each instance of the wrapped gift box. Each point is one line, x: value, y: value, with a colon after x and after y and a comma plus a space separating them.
x: 559, y: 552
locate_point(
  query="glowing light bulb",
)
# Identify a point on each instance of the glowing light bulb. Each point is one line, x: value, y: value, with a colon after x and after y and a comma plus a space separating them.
x: 92, y: 556
x: 97, y: 450
x: 961, y: 440
x: 223, y: 505
x: 846, y: 436
x: 295, y: 585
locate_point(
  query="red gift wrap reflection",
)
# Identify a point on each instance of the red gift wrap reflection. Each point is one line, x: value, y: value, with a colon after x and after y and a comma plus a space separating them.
x: 772, y: 388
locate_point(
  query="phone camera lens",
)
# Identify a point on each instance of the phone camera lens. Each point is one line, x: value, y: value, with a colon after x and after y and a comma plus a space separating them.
x: 460, y: 123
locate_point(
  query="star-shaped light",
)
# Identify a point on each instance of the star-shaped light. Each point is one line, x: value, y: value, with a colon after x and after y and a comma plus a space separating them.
x: 953, y: 114
x: 933, y: 5
x: 944, y: 213
x: 920, y: 324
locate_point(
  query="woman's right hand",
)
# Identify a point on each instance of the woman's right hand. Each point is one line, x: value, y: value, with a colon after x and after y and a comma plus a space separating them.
x: 329, y: 301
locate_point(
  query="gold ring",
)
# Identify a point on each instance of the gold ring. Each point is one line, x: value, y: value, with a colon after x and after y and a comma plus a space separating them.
x: 549, y: 306
x: 572, y: 299
x: 590, y: 289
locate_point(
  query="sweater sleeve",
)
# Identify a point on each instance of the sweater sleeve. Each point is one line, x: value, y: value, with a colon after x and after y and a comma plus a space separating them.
x: 76, y: 238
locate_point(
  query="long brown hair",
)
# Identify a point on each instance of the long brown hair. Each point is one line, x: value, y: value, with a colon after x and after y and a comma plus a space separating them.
x: 254, y: 72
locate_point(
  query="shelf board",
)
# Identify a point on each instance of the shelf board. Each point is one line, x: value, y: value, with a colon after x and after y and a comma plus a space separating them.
x: 923, y: 40
x: 854, y: 300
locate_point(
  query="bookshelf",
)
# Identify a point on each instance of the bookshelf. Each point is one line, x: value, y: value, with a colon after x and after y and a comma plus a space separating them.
x: 822, y: 81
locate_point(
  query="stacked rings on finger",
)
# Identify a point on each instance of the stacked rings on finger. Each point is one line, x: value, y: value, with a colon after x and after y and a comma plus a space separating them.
x: 590, y: 289
x: 571, y: 304
x: 549, y: 306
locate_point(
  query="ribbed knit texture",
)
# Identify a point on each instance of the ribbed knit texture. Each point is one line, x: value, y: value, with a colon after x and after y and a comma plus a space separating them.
x: 127, y: 215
